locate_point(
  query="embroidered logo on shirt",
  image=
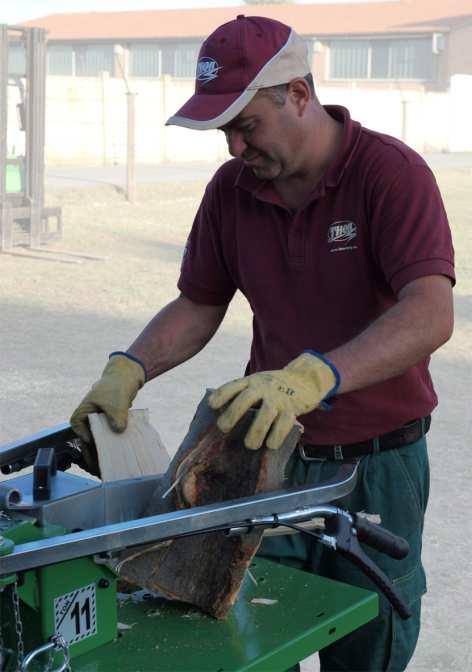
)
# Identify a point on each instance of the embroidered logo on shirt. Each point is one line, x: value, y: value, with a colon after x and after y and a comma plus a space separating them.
x: 342, y: 231
x: 207, y: 69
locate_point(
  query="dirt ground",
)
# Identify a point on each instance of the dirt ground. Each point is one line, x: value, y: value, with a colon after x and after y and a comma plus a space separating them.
x: 59, y: 322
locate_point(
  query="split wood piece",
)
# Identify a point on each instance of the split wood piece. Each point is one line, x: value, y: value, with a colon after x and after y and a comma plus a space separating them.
x: 138, y: 451
x: 207, y: 570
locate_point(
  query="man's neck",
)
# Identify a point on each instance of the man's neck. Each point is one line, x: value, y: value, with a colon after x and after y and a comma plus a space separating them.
x: 320, y: 149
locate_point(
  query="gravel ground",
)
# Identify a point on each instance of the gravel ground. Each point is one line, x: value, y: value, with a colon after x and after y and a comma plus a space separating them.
x: 59, y: 321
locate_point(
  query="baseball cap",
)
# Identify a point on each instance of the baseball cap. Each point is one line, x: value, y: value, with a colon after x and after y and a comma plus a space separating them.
x: 235, y: 61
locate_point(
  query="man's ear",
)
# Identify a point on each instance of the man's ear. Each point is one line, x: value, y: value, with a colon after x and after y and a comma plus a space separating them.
x: 299, y: 94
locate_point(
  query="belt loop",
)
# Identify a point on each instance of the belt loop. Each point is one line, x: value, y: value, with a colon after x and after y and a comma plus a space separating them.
x: 423, y: 426
x: 338, y: 453
x: 375, y: 446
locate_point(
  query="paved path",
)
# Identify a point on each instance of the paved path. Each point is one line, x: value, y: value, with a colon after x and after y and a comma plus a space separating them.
x: 84, y: 176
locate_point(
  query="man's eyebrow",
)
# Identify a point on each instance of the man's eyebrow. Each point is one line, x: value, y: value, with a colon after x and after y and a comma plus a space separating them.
x: 237, y: 123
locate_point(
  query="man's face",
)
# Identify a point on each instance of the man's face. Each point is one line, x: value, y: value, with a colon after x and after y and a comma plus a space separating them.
x: 266, y: 137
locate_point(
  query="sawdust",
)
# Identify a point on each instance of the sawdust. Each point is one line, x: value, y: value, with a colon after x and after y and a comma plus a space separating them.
x: 263, y: 600
x: 153, y: 613
x: 125, y: 626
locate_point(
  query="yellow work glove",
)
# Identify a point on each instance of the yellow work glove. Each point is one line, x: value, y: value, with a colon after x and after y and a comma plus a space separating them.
x: 284, y: 394
x: 113, y: 395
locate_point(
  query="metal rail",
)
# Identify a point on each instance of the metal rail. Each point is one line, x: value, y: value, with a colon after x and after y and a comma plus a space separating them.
x: 15, y: 451
x: 151, y: 529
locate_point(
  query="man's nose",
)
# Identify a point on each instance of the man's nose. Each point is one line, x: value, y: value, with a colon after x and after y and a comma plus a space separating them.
x: 236, y: 142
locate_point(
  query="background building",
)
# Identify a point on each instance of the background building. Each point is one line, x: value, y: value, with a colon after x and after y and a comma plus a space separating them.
x: 422, y: 42
x: 402, y: 67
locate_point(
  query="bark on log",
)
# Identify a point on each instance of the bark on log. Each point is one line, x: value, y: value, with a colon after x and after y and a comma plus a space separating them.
x: 207, y: 570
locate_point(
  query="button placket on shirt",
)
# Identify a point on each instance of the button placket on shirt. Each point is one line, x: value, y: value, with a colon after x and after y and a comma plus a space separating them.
x: 297, y: 241
x: 298, y: 231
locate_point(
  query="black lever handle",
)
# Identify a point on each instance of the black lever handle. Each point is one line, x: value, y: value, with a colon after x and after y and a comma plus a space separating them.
x: 347, y: 544
x: 44, y: 469
x: 379, y: 538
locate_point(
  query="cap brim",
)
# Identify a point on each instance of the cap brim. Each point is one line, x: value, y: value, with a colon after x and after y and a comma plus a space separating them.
x: 204, y: 111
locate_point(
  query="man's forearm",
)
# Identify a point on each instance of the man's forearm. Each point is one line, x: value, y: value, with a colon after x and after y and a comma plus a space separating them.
x: 400, y: 338
x: 176, y: 333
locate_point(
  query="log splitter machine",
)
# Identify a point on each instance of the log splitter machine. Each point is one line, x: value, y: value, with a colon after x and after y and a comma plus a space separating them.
x: 60, y: 605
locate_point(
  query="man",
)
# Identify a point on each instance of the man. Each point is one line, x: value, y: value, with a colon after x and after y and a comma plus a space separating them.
x: 338, y: 238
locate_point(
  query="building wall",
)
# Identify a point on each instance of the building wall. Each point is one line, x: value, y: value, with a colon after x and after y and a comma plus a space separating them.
x: 460, y: 52
x: 86, y: 119
x: 443, y: 72
x: 458, y: 120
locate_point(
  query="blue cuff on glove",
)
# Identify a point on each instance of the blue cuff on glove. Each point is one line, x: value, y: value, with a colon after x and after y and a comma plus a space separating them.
x: 133, y: 358
x: 324, y: 404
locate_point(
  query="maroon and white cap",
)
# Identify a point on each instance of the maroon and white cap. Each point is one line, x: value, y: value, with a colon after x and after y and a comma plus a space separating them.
x: 239, y: 58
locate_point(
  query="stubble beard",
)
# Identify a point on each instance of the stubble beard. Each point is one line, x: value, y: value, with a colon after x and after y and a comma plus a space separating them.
x: 268, y: 170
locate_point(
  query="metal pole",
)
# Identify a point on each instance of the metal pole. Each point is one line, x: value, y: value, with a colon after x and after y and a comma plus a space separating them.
x: 130, y: 151
x: 35, y: 127
x: 4, y: 214
x: 104, y: 78
x: 121, y: 68
x: 404, y: 120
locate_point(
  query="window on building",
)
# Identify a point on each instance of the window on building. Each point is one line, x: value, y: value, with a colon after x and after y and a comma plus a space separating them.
x: 84, y: 60
x: 177, y: 59
x: 145, y: 60
x: 349, y: 59
x: 16, y: 59
x: 60, y: 60
x: 185, y: 60
x: 381, y: 59
x: 411, y: 59
x: 91, y: 60
x: 168, y: 59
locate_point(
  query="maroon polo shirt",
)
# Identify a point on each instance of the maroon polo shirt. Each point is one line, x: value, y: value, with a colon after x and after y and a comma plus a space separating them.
x: 317, y: 277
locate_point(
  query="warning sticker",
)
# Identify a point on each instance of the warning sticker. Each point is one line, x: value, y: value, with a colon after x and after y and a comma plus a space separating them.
x: 75, y: 614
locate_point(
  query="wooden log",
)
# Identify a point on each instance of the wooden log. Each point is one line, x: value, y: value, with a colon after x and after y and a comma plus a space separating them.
x: 207, y: 570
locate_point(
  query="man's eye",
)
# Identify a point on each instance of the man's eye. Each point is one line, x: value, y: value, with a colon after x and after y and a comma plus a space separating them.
x: 244, y: 130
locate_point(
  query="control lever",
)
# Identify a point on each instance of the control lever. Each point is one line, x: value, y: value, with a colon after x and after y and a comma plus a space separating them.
x: 342, y: 533
x: 379, y: 538
x: 43, y: 470
x: 342, y: 528
x: 21, y: 454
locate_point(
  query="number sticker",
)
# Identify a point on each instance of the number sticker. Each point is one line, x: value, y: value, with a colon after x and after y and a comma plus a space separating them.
x: 75, y: 614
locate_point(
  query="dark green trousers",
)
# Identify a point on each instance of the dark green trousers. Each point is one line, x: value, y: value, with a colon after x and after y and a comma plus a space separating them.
x: 395, y: 485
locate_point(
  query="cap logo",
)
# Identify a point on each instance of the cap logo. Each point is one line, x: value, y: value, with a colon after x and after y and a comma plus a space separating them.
x: 207, y: 69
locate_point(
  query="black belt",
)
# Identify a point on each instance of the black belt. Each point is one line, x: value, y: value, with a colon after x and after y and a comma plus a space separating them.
x: 409, y: 433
